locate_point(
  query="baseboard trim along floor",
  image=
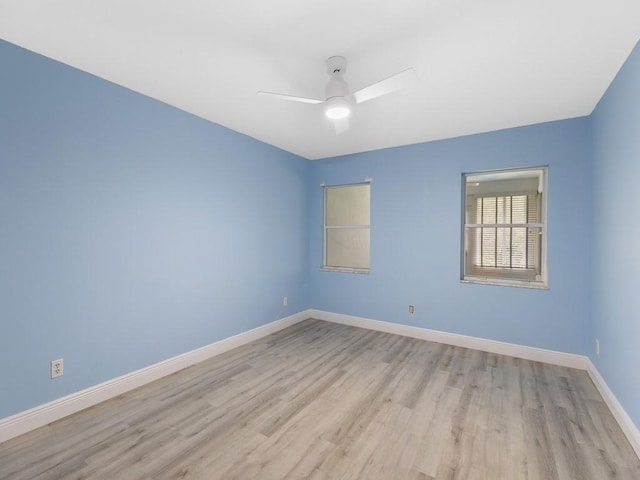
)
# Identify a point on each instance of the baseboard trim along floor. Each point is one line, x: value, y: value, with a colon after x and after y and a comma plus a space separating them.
x: 39, y: 416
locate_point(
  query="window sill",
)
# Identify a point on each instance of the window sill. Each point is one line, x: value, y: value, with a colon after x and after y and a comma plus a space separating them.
x: 360, y: 271
x: 505, y: 282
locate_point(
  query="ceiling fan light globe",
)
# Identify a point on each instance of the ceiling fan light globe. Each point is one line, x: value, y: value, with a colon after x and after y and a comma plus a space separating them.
x: 337, y: 108
x: 336, y: 113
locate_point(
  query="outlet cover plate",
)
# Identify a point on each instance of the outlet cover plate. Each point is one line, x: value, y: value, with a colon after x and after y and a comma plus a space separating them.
x: 57, y: 368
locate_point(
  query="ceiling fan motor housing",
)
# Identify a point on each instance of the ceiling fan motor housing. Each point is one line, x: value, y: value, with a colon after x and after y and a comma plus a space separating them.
x: 338, y: 103
x: 337, y: 87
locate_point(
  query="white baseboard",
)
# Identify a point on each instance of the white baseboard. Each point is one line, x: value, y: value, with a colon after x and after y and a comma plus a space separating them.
x: 624, y: 420
x: 41, y: 415
x: 513, y: 350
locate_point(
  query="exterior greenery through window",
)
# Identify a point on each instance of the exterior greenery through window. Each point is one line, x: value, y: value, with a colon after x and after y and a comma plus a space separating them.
x: 347, y: 228
x: 504, y: 227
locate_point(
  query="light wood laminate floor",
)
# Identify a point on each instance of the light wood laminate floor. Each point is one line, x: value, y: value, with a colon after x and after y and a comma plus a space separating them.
x: 324, y: 401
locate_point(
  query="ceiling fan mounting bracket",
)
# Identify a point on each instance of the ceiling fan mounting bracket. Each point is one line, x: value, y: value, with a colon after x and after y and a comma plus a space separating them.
x: 336, y: 65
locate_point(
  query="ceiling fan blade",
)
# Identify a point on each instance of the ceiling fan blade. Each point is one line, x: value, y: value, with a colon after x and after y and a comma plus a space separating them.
x: 291, y: 98
x: 341, y: 125
x: 391, y: 84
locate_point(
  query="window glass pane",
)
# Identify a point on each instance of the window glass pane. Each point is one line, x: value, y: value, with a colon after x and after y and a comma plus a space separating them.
x: 488, y: 258
x: 347, y: 247
x: 504, y: 209
x: 519, y: 247
x: 475, y: 214
x: 489, y: 208
x: 476, y: 248
x: 519, y: 209
x: 533, y: 208
x: 534, y: 248
x: 347, y: 205
x: 503, y: 246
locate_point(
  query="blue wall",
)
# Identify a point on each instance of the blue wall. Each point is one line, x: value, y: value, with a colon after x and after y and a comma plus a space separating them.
x: 616, y: 153
x: 415, y: 238
x: 131, y: 231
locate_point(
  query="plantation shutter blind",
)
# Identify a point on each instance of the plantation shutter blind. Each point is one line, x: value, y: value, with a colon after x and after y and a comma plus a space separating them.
x: 503, y: 227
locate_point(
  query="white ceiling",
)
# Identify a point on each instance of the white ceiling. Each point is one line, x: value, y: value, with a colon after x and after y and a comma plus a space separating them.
x: 483, y: 65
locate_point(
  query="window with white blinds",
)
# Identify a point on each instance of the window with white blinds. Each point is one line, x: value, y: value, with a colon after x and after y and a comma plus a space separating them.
x: 504, y: 228
x: 347, y: 228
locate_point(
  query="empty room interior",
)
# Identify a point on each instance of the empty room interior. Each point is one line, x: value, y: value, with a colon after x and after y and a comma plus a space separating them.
x: 338, y: 240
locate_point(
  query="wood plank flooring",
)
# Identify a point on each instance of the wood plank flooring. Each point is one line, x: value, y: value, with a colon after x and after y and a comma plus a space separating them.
x: 323, y: 401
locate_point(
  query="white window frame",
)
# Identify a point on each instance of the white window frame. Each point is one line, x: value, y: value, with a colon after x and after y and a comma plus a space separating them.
x: 343, y: 269
x: 506, y: 276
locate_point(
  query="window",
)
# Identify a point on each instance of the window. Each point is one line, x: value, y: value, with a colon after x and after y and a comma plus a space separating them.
x: 504, y: 239
x: 346, y: 228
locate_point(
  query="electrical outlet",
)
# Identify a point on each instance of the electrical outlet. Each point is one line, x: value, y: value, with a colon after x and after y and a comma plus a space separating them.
x: 597, y: 347
x: 57, y: 368
x: 285, y: 302
x: 411, y: 309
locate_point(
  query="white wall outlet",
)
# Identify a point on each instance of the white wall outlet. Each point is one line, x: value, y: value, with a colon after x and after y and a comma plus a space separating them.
x: 411, y: 309
x: 597, y: 347
x: 57, y: 368
x: 285, y: 302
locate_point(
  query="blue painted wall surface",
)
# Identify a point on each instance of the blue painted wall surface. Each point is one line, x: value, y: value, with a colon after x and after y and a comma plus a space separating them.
x: 131, y: 231
x: 415, y: 238
x: 615, y: 126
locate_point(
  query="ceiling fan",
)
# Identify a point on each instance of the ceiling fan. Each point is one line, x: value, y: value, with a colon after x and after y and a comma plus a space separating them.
x: 339, y: 103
